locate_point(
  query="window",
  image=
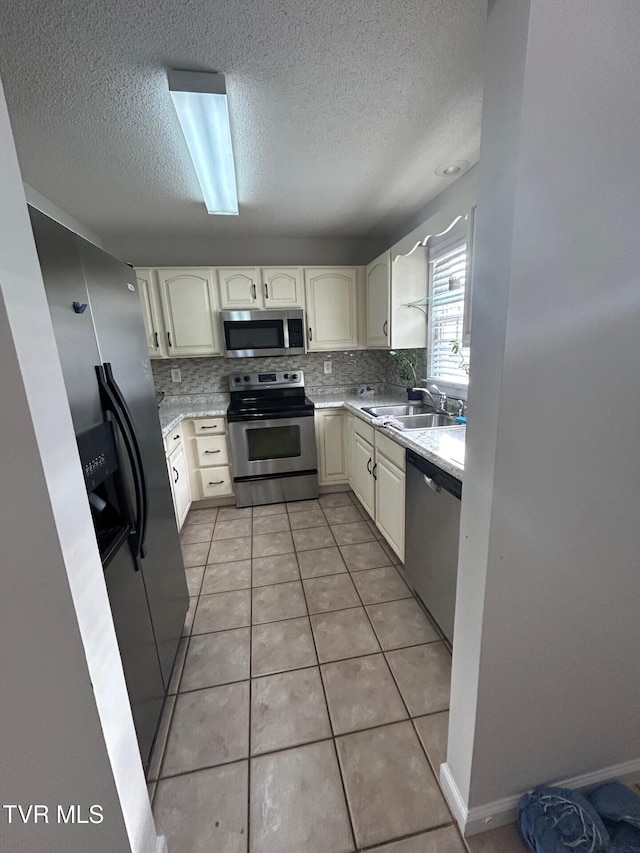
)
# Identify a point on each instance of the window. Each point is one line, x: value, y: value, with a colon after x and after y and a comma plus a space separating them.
x: 447, y: 279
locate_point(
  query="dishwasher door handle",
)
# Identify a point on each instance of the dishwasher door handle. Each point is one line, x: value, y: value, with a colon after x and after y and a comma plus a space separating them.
x: 432, y: 484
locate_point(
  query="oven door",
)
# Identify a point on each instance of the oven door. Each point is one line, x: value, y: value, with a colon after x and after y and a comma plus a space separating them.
x: 273, y: 446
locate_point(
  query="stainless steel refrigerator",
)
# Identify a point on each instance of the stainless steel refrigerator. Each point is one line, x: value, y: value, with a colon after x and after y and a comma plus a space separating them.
x: 101, y: 341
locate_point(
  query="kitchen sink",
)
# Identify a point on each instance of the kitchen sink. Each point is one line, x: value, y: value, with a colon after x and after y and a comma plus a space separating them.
x: 395, y: 411
x: 427, y: 421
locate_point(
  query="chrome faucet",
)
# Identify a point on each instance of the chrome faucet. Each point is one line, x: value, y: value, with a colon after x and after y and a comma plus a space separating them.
x: 441, y: 403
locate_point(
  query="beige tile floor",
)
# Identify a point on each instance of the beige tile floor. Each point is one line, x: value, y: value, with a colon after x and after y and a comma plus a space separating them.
x: 308, y: 708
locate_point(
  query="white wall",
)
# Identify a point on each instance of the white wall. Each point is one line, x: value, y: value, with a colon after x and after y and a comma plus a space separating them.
x: 546, y: 676
x: 155, y: 250
x: 67, y: 735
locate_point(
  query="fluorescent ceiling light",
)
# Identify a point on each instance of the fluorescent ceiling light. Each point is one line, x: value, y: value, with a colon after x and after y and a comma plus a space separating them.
x: 200, y: 99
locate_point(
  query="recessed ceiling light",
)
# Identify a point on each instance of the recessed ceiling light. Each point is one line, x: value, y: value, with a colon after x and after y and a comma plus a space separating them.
x: 452, y: 169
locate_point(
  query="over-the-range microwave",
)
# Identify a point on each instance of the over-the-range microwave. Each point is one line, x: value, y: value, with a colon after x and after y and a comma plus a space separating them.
x: 247, y: 334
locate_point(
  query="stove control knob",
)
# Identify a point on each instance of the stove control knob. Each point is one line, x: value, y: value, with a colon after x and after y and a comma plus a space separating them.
x: 294, y: 377
x: 286, y: 375
x: 246, y: 378
x: 237, y: 379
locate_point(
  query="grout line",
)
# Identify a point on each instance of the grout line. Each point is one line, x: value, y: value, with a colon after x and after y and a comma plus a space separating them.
x: 333, y: 734
x: 398, y: 838
x: 249, y: 779
x: 406, y: 707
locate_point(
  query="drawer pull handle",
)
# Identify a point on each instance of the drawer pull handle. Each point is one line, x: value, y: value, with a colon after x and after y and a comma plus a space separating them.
x: 177, y: 475
x: 310, y: 333
x: 169, y: 338
x: 212, y: 451
x: 155, y: 337
x: 215, y: 426
x: 253, y: 291
x: 373, y: 473
x: 176, y: 437
x: 384, y: 328
x: 369, y: 466
x: 216, y: 483
x: 266, y: 291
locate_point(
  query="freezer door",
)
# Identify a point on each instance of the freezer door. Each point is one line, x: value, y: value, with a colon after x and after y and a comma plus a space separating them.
x: 119, y: 328
x: 65, y: 288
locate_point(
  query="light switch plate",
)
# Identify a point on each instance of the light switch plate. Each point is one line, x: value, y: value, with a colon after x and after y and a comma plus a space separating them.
x: 176, y: 374
x: 328, y: 367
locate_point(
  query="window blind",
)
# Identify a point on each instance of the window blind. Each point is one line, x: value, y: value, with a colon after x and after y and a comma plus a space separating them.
x: 448, y: 268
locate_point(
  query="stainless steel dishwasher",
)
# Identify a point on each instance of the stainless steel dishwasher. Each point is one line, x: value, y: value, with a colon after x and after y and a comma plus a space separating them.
x: 432, y: 513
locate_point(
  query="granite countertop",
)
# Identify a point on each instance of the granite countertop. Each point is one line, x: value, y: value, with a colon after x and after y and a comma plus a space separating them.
x: 172, y: 410
x: 444, y: 446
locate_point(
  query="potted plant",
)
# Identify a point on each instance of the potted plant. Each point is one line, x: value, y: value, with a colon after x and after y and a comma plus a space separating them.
x: 407, y: 365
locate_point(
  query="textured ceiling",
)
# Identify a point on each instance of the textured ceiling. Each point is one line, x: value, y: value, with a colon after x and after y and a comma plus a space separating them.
x: 340, y: 109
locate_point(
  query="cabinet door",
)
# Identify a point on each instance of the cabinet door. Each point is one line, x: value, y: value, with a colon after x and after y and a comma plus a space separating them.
x: 330, y: 440
x: 409, y: 284
x: 239, y: 287
x: 282, y: 287
x: 151, y: 313
x: 189, y: 304
x: 332, y: 319
x: 363, y: 482
x: 378, y: 278
x: 179, y: 475
x: 389, y: 480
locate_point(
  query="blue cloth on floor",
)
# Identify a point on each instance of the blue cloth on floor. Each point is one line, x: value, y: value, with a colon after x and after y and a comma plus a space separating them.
x: 619, y: 809
x: 555, y: 820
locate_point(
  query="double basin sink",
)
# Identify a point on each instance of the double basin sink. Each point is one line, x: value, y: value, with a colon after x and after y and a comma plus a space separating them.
x: 413, y: 416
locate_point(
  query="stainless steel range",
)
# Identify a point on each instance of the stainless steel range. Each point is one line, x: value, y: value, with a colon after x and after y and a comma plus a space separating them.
x: 272, y: 438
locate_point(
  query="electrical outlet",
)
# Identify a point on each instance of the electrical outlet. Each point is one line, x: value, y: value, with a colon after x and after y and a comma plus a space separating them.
x: 328, y: 367
x: 176, y: 374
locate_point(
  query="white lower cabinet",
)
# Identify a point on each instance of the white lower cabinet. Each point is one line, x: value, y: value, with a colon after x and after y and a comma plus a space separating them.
x: 389, y: 481
x: 363, y: 482
x: 208, y: 456
x: 179, y: 478
x: 331, y: 446
x: 376, y: 471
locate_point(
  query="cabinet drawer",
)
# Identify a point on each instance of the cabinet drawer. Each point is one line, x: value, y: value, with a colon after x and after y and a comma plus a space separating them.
x: 173, y: 440
x: 363, y: 429
x: 208, y: 426
x: 389, y: 448
x: 215, y: 482
x: 212, y: 450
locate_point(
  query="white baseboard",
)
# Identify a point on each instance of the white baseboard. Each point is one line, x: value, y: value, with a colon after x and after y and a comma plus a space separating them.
x: 500, y: 812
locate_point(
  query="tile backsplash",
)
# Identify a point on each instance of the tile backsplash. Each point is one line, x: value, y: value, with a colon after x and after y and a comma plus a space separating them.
x: 211, y: 375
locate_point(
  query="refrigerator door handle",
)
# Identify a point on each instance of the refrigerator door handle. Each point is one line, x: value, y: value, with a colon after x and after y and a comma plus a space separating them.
x: 114, y: 403
x: 137, y: 452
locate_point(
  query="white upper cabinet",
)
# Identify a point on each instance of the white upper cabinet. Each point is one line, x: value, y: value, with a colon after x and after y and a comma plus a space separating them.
x: 282, y: 287
x: 332, y: 303
x: 392, y: 283
x: 268, y: 287
x: 189, y: 304
x: 151, y: 313
x: 239, y: 287
x: 378, y: 285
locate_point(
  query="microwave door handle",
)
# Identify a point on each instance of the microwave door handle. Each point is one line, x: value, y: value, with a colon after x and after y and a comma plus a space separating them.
x: 285, y: 331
